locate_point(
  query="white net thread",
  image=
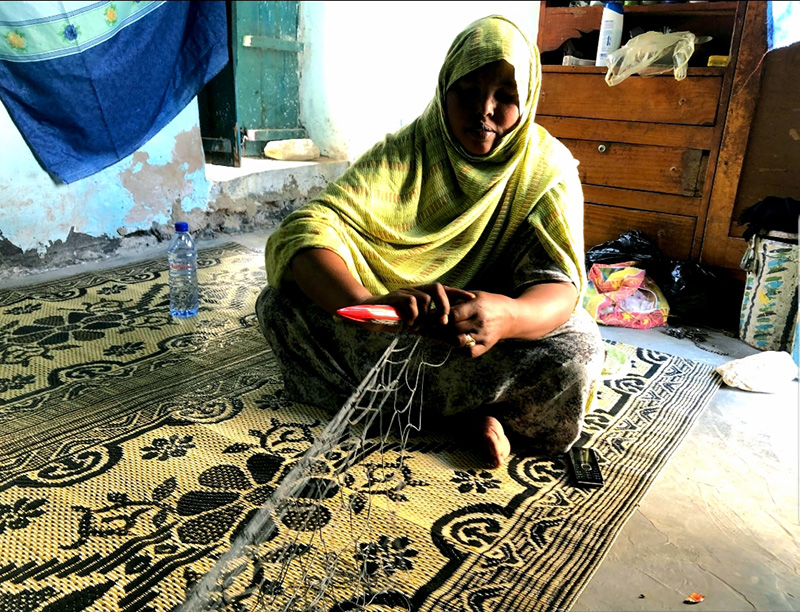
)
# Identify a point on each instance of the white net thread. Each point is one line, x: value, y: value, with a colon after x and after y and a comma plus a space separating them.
x: 338, y: 564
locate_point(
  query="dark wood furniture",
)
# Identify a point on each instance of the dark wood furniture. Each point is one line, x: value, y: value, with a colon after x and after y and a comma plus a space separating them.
x: 656, y: 154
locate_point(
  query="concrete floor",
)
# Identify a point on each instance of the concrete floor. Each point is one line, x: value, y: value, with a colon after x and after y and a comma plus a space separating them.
x: 723, y: 517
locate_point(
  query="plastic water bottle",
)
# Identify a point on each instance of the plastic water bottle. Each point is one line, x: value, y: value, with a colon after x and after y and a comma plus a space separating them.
x: 182, y: 256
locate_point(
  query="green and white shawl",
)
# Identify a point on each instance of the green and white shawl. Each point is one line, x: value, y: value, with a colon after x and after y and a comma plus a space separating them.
x: 418, y: 208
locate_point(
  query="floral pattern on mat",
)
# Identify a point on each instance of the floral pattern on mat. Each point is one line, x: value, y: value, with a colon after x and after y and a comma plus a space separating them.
x: 134, y: 448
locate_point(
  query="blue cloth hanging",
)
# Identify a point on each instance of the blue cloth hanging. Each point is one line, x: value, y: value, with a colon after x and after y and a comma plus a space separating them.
x: 88, y: 83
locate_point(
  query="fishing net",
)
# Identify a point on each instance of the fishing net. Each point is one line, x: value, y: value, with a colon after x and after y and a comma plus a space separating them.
x: 346, y: 544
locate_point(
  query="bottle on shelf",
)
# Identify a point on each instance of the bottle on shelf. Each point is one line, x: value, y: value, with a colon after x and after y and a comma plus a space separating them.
x: 610, y: 31
x: 182, y: 256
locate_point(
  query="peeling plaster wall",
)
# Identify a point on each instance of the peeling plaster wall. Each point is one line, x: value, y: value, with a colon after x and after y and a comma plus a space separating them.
x: 130, y: 207
x: 368, y: 68
x: 248, y: 198
x: 44, y: 224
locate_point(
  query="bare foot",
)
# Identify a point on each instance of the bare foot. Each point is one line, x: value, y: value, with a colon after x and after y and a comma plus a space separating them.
x: 494, y: 441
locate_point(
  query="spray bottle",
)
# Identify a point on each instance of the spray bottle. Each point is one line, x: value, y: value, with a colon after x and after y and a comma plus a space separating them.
x: 610, y: 31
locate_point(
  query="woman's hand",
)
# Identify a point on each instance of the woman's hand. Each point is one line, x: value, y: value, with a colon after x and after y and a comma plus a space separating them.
x: 479, y: 324
x: 485, y: 320
x: 424, y: 305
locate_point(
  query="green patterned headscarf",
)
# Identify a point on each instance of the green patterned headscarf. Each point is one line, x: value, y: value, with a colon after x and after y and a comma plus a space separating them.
x: 419, y: 208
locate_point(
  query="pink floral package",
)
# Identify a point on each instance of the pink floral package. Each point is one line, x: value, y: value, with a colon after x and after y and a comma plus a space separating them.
x: 622, y: 295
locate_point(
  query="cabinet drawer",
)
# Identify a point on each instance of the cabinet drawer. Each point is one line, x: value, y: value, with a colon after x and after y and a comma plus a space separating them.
x: 655, y: 99
x: 672, y: 233
x: 670, y: 170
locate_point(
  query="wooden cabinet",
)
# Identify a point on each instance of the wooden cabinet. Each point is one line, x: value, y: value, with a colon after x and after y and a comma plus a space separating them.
x: 655, y: 153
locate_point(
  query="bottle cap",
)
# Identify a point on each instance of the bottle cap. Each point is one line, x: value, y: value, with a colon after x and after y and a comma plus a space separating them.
x: 181, y: 226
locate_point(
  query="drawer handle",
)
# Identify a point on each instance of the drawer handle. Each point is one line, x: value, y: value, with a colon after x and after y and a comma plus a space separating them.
x: 602, y: 148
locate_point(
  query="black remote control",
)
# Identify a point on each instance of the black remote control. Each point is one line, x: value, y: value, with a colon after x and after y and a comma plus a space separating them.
x: 585, y: 467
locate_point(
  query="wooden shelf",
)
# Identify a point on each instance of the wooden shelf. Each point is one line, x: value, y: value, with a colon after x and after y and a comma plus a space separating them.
x: 714, y: 71
x: 714, y: 19
x: 673, y: 8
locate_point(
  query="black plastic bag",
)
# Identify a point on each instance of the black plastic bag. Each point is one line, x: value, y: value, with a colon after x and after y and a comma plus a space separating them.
x: 691, y: 291
x: 689, y: 287
x: 633, y: 245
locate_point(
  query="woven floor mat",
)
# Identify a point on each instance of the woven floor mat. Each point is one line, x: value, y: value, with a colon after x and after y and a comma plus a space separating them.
x: 135, y: 447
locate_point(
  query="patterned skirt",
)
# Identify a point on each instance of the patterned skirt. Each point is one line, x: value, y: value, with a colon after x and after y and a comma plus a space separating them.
x: 539, y: 390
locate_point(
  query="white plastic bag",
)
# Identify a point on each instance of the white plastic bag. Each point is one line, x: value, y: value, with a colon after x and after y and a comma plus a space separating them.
x: 766, y: 372
x: 646, y: 49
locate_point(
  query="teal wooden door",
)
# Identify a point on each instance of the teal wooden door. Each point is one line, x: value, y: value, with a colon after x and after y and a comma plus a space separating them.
x: 266, y: 72
x: 257, y: 98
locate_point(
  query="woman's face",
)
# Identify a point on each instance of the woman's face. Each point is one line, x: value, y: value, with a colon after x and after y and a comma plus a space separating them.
x: 483, y: 106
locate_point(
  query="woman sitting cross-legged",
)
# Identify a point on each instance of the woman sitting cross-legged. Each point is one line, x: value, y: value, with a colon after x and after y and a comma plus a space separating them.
x: 469, y: 222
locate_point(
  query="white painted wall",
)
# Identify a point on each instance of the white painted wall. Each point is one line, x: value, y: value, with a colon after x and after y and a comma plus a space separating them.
x: 369, y: 68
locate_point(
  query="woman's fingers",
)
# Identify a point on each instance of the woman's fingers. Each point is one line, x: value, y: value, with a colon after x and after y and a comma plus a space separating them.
x: 430, y: 298
x: 421, y: 302
x: 459, y: 295
x: 415, y: 304
x: 440, y: 301
x: 463, y: 311
x: 406, y: 304
x: 444, y: 297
